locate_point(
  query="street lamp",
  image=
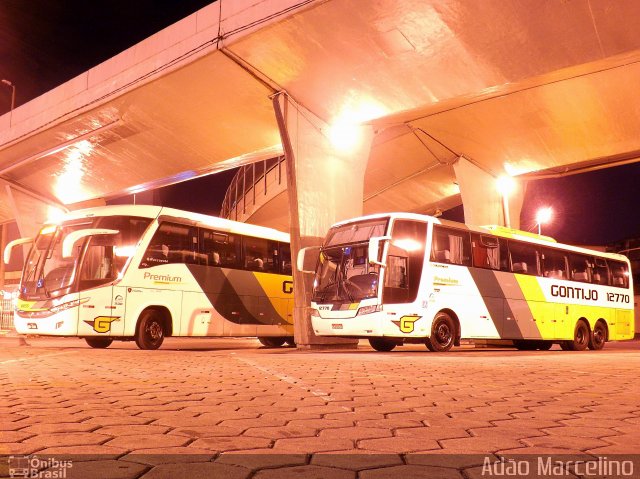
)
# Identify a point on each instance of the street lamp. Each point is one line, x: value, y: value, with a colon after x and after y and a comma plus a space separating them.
x: 13, y: 97
x: 505, y: 185
x: 543, y: 215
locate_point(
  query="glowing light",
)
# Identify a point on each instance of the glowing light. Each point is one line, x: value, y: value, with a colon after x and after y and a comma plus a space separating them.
x: 344, y: 136
x: 48, y: 229
x: 543, y: 216
x: 408, y: 244
x: 54, y: 215
x: 505, y: 185
x: 68, y: 185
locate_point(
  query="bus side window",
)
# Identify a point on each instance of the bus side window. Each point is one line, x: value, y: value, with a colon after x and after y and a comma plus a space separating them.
x: 485, y: 251
x: 285, y: 258
x: 172, y: 243
x: 450, y: 245
x: 554, y: 264
x: 619, y: 274
x: 600, y: 271
x: 579, y: 268
x: 524, y: 258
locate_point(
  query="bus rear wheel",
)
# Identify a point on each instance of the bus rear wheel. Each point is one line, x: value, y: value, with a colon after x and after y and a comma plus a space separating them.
x: 150, y: 333
x: 382, y: 345
x: 99, y: 343
x: 598, y: 337
x: 580, y: 337
x: 443, y: 334
x: 271, y: 342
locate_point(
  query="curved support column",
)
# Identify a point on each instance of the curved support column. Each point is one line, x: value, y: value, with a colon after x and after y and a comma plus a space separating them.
x: 324, y: 185
x: 482, y: 203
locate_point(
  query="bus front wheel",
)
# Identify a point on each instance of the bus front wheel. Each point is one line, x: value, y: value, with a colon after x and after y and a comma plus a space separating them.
x: 382, y: 345
x: 99, y: 343
x: 271, y: 342
x: 150, y: 333
x: 443, y: 334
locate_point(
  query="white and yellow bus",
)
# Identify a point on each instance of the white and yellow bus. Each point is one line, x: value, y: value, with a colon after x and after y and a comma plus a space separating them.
x: 145, y: 272
x: 400, y: 278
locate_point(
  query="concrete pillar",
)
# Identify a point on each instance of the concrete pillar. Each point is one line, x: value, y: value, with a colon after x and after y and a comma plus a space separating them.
x: 482, y: 203
x: 29, y: 212
x: 325, y: 185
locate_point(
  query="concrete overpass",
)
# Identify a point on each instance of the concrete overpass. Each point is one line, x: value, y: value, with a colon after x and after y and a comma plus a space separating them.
x: 443, y: 95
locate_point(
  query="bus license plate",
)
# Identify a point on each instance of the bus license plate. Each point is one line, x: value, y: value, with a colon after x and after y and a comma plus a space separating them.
x: 336, y: 326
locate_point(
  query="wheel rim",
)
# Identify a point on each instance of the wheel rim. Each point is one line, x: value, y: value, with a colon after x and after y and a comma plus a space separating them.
x: 598, y: 335
x: 443, y: 334
x: 154, y: 331
x: 581, y: 335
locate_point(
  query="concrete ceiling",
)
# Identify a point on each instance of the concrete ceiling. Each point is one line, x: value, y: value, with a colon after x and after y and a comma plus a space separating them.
x: 521, y: 87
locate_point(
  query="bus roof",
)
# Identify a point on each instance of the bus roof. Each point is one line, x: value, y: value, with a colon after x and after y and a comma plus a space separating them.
x: 488, y: 229
x: 187, y: 217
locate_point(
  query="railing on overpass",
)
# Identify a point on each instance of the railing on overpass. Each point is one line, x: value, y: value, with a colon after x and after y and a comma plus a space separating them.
x: 252, y: 186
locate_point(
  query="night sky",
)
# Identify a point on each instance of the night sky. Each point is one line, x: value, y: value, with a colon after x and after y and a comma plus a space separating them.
x: 44, y: 43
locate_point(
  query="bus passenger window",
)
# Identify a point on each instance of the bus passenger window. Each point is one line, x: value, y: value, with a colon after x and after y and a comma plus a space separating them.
x: 450, y: 245
x: 524, y: 258
x: 619, y: 274
x: 554, y: 264
x: 579, y: 267
x: 285, y: 258
x: 485, y: 251
x: 600, y: 271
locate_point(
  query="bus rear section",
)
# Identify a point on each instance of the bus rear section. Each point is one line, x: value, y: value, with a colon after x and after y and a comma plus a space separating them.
x: 436, y: 282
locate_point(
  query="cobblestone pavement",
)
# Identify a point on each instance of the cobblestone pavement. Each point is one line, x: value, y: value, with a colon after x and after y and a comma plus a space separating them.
x: 233, y: 410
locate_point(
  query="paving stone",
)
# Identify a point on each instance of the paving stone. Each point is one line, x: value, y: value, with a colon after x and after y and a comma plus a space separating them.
x: 230, y: 443
x: 305, y: 472
x: 91, y: 452
x: 257, y: 459
x: 435, y: 432
x: 197, y: 471
x: 169, y: 455
x: 577, y: 431
x: 280, y: 432
x: 132, y: 429
x: 206, y: 431
x: 14, y: 436
x: 313, y: 444
x: 355, y: 433
x: 67, y: 439
x: 146, y: 441
x: 565, y: 442
x: 398, y: 445
x: 60, y: 428
x: 356, y: 460
x: 106, y: 469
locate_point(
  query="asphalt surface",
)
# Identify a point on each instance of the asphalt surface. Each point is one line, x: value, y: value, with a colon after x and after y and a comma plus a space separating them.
x: 230, y: 408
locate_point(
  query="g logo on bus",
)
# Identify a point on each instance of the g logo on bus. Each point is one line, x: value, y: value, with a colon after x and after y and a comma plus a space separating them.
x: 287, y: 287
x: 406, y: 323
x: 102, y: 324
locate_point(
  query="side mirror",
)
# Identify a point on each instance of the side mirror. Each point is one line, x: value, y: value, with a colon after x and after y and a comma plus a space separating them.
x: 303, y: 255
x: 374, y: 249
x: 72, y: 238
x: 11, y: 245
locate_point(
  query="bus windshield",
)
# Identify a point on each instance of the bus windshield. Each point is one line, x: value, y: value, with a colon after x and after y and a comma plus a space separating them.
x: 344, y: 273
x: 99, y: 259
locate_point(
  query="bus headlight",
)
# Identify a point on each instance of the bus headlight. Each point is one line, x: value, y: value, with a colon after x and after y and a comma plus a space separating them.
x: 374, y: 308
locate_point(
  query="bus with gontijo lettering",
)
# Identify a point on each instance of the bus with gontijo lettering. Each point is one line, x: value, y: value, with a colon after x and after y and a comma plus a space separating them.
x: 400, y: 278
x: 146, y: 272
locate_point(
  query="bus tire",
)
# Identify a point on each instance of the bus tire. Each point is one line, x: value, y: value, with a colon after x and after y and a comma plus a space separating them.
x: 544, y: 345
x: 525, y: 344
x: 443, y: 333
x: 382, y: 345
x: 581, y: 337
x: 271, y: 342
x: 150, y: 331
x: 598, y: 336
x: 99, y: 343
